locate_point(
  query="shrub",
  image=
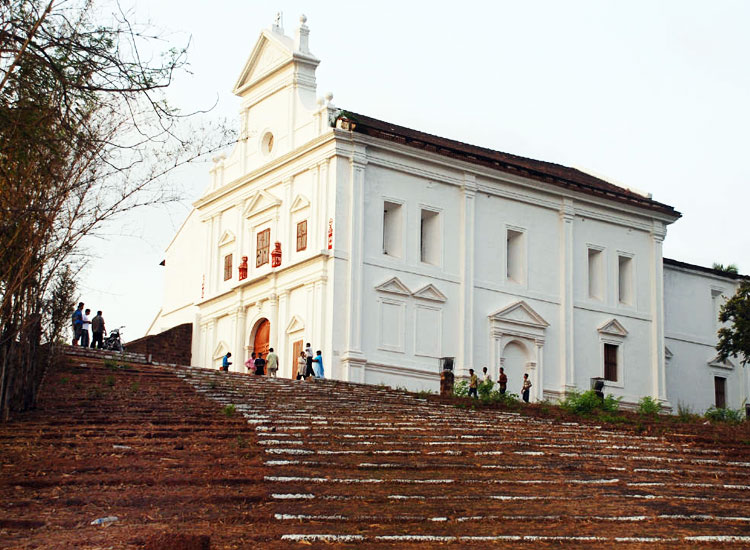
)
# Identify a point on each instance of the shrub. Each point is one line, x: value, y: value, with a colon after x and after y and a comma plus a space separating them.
x: 110, y: 364
x: 485, y: 389
x: 461, y: 389
x: 229, y: 410
x: 588, y: 402
x: 720, y: 414
x: 649, y: 406
x: 109, y: 380
x: 135, y: 386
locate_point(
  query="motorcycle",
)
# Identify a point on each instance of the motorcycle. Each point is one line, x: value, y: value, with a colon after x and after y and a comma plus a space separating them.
x: 113, y: 341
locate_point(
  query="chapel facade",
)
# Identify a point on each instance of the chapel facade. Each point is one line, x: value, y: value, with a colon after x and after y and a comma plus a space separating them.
x: 389, y: 248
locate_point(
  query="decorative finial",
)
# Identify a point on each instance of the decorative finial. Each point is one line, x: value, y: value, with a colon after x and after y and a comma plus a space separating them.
x: 302, y: 37
x: 329, y: 97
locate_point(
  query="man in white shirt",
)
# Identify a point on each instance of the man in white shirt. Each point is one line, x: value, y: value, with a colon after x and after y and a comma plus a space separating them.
x: 85, y: 328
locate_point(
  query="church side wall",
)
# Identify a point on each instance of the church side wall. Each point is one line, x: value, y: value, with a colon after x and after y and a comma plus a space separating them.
x: 635, y: 376
x: 692, y: 301
x: 182, y: 278
x: 416, y: 307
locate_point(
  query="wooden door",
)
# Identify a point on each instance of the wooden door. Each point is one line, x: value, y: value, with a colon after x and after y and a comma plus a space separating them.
x: 720, y: 392
x: 296, y: 350
x: 261, y: 339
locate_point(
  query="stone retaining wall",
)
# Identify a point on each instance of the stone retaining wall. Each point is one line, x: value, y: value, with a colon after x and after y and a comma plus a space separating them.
x: 170, y: 346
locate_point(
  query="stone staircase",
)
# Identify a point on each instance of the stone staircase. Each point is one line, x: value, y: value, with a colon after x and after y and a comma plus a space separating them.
x: 360, y: 464
x: 256, y: 462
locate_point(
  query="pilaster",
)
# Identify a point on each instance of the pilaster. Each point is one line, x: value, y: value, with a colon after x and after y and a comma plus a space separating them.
x: 238, y: 349
x: 211, y: 343
x: 356, y: 246
x: 659, y: 389
x: 286, y: 231
x: 273, y: 334
x: 285, y: 360
x: 567, y: 333
x: 466, y: 336
x: 320, y: 240
x: 539, y: 370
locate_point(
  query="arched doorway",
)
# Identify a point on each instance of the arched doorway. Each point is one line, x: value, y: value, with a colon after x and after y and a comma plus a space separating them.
x: 260, y: 340
x: 514, y: 361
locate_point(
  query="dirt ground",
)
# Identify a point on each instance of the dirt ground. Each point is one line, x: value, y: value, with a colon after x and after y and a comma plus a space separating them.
x: 195, y: 459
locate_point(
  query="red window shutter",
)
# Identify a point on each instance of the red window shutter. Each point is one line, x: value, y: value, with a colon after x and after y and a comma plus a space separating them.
x: 302, y: 235
x: 264, y: 241
x: 610, y: 362
x: 227, y: 267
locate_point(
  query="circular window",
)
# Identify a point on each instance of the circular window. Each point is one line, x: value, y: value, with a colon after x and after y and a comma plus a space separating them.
x: 266, y: 144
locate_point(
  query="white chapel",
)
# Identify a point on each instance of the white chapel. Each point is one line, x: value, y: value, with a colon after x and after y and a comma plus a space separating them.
x: 388, y: 248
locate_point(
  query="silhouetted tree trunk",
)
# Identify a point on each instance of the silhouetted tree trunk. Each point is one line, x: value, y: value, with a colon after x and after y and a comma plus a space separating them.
x: 86, y: 135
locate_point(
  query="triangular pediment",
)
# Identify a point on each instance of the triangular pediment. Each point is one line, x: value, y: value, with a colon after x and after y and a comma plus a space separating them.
x: 220, y: 350
x: 260, y: 202
x: 226, y: 238
x: 613, y: 327
x: 394, y: 286
x: 295, y: 325
x: 300, y: 202
x: 718, y: 363
x: 430, y: 292
x: 271, y: 51
x: 519, y: 313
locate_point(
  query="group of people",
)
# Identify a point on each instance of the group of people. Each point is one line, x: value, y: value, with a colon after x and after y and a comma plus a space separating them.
x: 83, y: 323
x: 502, y: 381
x: 309, y: 366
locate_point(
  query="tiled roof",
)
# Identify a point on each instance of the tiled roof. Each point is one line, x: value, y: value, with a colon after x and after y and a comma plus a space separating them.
x: 702, y: 269
x: 547, y: 172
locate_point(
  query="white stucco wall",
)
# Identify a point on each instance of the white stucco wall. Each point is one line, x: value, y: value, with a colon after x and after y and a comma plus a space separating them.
x: 691, y: 301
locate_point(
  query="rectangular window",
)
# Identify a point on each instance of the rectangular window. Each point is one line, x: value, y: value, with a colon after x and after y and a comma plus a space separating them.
x: 610, y: 362
x: 302, y: 235
x: 596, y: 274
x: 227, y: 267
x: 392, y: 236
x: 264, y: 241
x: 625, y: 279
x: 515, y: 258
x: 429, y: 237
x: 720, y: 392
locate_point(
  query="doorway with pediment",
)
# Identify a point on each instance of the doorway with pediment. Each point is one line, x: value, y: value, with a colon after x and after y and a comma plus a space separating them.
x: 517, y: 342
x: 259, y: 338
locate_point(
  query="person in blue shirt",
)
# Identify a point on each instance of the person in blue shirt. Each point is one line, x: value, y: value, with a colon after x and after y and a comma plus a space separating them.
x: 225, y: 362
x: 319, y: 360
x: 77, y: 320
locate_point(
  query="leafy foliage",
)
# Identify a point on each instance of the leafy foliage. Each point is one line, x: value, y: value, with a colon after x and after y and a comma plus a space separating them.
x: 649, y: 406
x: 734, y: 340
x: 730, y: 416
x: 461, y: 388
x: 588, y: 402
x: 60, y: 303
x: 729, y: 268
x: 229, y: 410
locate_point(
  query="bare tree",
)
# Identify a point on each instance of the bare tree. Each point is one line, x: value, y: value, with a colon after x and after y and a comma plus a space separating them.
x: 87, y: 134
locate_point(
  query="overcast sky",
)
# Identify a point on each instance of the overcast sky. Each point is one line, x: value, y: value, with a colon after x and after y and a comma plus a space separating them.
x: 653, y: 95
